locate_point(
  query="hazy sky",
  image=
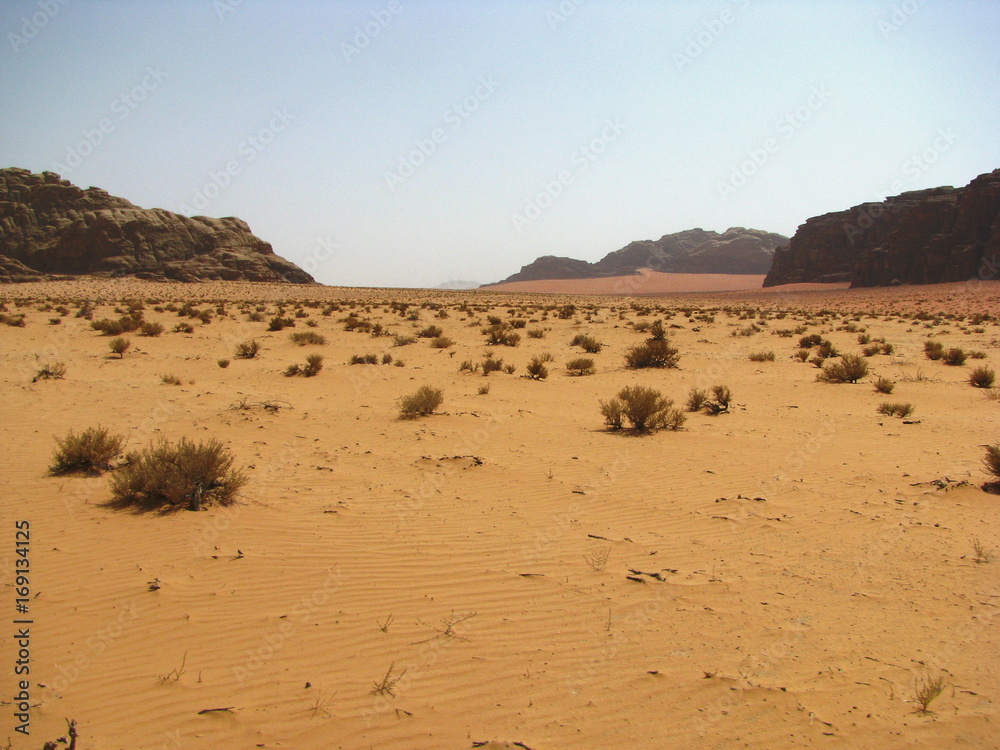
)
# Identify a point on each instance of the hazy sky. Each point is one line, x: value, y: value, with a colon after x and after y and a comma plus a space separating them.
x: 409, y: 142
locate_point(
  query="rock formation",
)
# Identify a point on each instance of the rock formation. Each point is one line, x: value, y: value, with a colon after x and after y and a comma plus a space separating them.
x: 49, y: 226
x: 920, y: 237
x: 737, y: 250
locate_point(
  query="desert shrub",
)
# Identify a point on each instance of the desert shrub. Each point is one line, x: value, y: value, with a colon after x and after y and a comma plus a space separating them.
x: 108, y: 327
x: 884, y: 385
x: 501, y: 335
x: 652, y: 353
x: 399, y: 340
x: 166, y: 475
x: 55, y: 321
x: 430, y: 332
x: 850, y: 369
x: 314, y: 363
x: 887, y: 348
x: 871, y: 350
x: 657, y: 331
x: 826, y: 349
x: 696, y: 399
x: 223, y: 363
x: 255, y: 317
x: 491, y: 364
x: 954, y: 357
x: 536, y: 368
x: 587, y: 343
x: 483, y: 389
x: 897, y: 409
x: 863, y: 338
x: 421, y: 403
x: 149, y: 328
x: 183, y: 328
x: 977, y: 355
x: 802, y: 355
x: 808, y: 342
x: 721, y: 399
x: 644, y: 409
x: 247, y: 349
x: 933, y: 350
x: 762, y: 357
x: 50, y: 371
x: 442, y: 342
x: 363, y: 359
x: 580, y: 366
x: 536, y: 333
x: 90, y: 451
x: 566, y: 312
x: 468, y: 365
x: 302, y: 338
x: 170, y: 379
x: 387, y: 359
x: 509, y: 369
x: 277, y: 323
x: 992, y: 463
x: 119, y: 346
x: 982, y: 377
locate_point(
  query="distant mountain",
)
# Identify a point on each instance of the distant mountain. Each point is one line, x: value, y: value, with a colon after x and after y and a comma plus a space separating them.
x: 735, y: 251
x: 920, y: 237
x: 458, y: 285
x: 49, y: 226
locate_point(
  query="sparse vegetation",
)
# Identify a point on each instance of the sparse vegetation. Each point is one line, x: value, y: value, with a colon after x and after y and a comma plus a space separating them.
x: 925, y: 691
x: 50, y: 371
x: 644, y: 408
x: 652, y: 353
x: 119, y: 346
x: 884, y: 385
x: 954, y: 357
x: 982, y: 377
x: 303, y: 338
x: 90, y: 451
x: 850, y: 369
x: 425, y: 401
x: 696, y: 399
x: 247, y: 349
x: 897, y: 409
x: 762, y: 356
x: 536, y: 368
x: 314, y: 363
x: 165, y: 475
x: 580, y: 366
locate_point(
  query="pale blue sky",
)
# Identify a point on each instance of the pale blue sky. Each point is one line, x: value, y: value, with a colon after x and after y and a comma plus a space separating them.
x: 409, y: 142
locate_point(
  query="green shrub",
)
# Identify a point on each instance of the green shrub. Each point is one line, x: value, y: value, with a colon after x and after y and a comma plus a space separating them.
x: 644, y: 408
x: 652, y: 353
x: 164, y: 476
x: 90, y: 451
x: 421, y: 403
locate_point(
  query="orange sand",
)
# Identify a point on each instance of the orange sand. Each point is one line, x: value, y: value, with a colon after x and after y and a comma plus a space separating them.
x: 808, y: 570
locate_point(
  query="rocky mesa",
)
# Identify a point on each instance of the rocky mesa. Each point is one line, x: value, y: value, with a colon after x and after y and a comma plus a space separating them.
x: 48, y: 226
x: 921, y: 237
x: 735, y: 251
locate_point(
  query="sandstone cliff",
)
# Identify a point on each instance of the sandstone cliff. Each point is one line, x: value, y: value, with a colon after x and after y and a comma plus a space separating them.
x: 920, y: 237
x: 50, y: 226
x: 737, y: 250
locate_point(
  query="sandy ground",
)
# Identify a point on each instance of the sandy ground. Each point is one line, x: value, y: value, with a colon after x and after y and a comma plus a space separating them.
x: 777, y: 577
x: 643, y: 283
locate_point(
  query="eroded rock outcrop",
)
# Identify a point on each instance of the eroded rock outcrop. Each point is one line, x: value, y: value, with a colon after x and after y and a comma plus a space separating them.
x: 50, y: 226
x: 920, y: 237
x: 737, y: 250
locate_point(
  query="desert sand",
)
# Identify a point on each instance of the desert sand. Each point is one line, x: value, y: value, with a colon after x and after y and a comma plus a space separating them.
x: 781, y: 576
x: 645, y: 282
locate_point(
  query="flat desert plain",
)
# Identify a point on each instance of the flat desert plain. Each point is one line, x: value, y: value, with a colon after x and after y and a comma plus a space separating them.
x: 508, y: 572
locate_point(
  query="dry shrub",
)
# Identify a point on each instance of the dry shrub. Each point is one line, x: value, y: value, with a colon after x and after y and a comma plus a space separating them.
x: 933, y: 350
x: 247, y: 349
x: 442, y: 342
x: 652, y: 353
x: 696, y: 399
x: 119, y: 346
x: 901, y: 410
x: 721, y: 399
x: 850, y: 369
x: 302, y: 338
x: 166, y: 475
x: 884, y: 385
x: 762, y: 357
x: 90, y: 451
x: 50, y: 371
x: 644, y: 409
x: 982, y: 377
x: 992, y: 463
x: 421, y: 403
x: 954, y: 357
x: 150, y: 329
x: 580, y: 366
x: 536, y: 368
x: 587, y: 343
